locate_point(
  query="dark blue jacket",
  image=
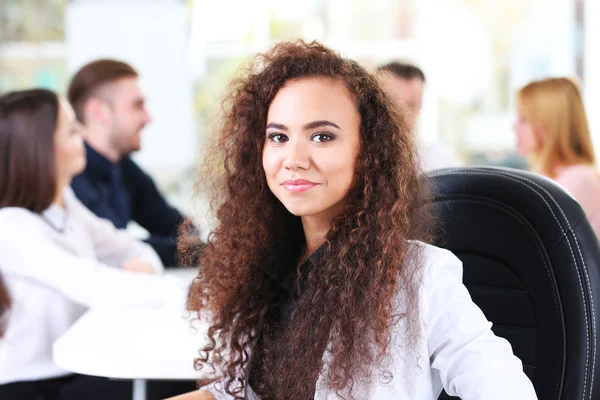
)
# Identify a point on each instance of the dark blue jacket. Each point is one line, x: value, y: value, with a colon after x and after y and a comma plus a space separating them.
x: 122, y: 192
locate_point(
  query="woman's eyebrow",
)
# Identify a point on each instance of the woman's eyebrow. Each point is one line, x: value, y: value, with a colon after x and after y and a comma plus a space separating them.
x: 275, y: 125
x: 310, y: 125
x: 318, y: 124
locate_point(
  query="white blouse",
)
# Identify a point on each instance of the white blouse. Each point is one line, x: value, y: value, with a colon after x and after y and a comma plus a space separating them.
x: 457, y: 350
x: 55, y: 266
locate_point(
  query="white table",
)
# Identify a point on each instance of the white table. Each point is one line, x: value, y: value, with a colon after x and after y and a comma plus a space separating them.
x: 132, y: 343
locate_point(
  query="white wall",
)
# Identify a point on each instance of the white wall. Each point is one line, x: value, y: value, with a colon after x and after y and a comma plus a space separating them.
x: 153, y: 37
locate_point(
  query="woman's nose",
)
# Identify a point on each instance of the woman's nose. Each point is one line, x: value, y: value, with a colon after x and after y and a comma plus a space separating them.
x: 298, y: 156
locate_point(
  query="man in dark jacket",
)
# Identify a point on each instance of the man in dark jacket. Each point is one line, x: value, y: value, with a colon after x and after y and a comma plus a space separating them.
x: 108, y: 100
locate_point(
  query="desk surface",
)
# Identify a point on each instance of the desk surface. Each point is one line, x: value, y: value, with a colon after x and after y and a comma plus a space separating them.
x: 132, y: 343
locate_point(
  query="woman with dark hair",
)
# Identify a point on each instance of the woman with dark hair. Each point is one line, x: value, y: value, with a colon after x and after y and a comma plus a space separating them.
x: 314, y: 281
x: 57, y: 259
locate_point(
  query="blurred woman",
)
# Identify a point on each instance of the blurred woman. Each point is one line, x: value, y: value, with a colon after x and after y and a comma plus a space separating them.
x: 313, y: 280
x: 552, y: 132
x: 57, y: 259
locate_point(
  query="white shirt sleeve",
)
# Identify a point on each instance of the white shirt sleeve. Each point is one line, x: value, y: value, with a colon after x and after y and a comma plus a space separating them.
x: 113, y: 246
x: 472, y: 363
x: 217, y: 389
x: 28, y: 253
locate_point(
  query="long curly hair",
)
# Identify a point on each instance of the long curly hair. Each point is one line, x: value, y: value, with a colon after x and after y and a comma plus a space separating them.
x: 346, y: 304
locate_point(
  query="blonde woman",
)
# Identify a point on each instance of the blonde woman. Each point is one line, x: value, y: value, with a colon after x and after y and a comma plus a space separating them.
x: 552, y: 131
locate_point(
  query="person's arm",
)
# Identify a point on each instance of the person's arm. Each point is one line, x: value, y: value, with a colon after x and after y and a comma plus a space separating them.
x: 471, y: 362
x: 82, y: 189
x: 95, y: 199
x: 113, y: 246
x: 151, y: 211
x: 28, y: 253
x: 165, y: 247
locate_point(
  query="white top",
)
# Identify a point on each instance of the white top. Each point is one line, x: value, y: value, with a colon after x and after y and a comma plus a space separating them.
x: 58, y: 264
x: 583, y: 183
x: 140, y: 344
x: 457, y: 351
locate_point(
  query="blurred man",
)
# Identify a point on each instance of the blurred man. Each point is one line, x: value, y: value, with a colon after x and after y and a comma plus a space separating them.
x: 107, y: 98
x: 405, y: 84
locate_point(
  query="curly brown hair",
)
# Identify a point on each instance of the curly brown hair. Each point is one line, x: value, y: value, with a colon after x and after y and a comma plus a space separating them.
x: 345, y: 305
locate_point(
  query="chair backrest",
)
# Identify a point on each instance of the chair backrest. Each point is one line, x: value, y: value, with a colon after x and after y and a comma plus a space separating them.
x: 532, y: 264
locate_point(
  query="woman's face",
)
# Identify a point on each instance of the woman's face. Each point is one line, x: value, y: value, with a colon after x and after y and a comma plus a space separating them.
x: 527, y: 142
x: 312, y: 141
x: 69, y: 151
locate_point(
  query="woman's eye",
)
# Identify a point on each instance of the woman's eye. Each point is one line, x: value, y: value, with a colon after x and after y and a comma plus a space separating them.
x: 278, y: 137
x: 322, y: 137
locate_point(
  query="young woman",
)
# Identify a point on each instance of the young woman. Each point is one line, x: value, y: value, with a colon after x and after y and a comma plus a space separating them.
x: 312, y: 279
x: 57, y: 259
x: 552, y: 131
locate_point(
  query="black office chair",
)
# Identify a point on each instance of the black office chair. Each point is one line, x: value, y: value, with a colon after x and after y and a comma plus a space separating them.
x: 532, y: 264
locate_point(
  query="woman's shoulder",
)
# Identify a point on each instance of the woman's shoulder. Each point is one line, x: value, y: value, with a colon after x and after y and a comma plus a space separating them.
x: 434, y: 269
x: 16, y: 216
x: 432, y: 258
x: 581, y: 180
x: 17, y: 224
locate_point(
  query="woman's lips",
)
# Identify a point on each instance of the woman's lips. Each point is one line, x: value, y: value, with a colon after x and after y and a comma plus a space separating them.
x: 298, y: 185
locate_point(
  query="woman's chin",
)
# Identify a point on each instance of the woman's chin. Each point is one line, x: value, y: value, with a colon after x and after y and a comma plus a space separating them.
x: 300, y: 211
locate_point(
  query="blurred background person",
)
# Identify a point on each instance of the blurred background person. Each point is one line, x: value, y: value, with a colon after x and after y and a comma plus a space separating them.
x: 107, y: 98
x: 552, y: 132
x: 405, y: 84
x: 57, y: 259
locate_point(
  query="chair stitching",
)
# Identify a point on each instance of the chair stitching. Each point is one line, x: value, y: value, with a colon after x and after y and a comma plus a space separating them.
x: 529, y: 183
